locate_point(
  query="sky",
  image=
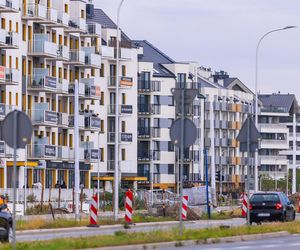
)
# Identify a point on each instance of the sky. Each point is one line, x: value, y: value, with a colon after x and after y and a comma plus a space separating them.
x: 221, y: 34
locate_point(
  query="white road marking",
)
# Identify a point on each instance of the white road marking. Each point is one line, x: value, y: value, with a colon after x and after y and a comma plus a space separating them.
x: 294, y: 244
x: 243, y: 247
x: 268, y: 246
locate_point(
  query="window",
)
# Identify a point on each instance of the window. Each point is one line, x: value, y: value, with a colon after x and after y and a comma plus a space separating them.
x: 102, y: 98
x: 54, y: 37
x: 70, y: 140
x: 123, y: 154
x: 123, y: 70
x: 66, y: 41
x: 82, y: 14
x: 60, y: 39
x: 123, y: 126
x: 9, y: 99
x: 53, y: 138
x: 102, y: 70
x: 170, y: 168
x: 10, y: 25
x: 65, y: 74
x: 17, y: 99
x: 123, y: 98
x: 102, y: 154
x: 66, y: 8
x: 3, y: 23
x: 24, y: 32
x: 17, y: 62
x: 92, y: 72
x: 102, y: 126
x: 17, y: 27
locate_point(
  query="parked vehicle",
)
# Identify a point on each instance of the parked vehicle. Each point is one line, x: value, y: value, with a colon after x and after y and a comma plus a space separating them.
x: 5, y: 224
x: 271, y: 206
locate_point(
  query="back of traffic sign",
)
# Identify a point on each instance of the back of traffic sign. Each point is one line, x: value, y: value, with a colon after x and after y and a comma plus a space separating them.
x: 190, y: 132
x: 23, y: 129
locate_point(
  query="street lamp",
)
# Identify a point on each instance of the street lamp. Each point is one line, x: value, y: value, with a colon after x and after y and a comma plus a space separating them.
x: 116, y: 172
x: 256, y: 94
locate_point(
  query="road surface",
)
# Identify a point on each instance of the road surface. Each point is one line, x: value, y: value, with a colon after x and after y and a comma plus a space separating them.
x: 289, y: 243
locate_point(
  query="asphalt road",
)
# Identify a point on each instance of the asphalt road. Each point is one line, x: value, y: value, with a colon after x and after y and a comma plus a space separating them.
x: 39, y: 235
x: 288, y: 243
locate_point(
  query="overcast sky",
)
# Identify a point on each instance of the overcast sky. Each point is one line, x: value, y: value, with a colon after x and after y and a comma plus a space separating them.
x: 221, y: 34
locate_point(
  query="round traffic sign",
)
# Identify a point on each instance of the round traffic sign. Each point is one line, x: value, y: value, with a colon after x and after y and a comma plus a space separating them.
x: 23, y: 129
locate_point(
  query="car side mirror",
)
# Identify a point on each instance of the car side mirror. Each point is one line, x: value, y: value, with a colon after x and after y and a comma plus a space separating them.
x: 3, y: 206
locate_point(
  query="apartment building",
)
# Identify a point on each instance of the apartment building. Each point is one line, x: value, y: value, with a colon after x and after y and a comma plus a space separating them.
x: 228, y: 103
x: 46, y: 48
x: 276, y: 128
x: 127, y: 103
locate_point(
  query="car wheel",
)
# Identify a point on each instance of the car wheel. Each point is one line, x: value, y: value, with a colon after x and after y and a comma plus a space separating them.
x: 9, y: 237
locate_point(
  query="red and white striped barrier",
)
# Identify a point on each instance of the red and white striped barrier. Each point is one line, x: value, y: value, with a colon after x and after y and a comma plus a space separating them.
x: 128, y: 206
x: 244, y: 205
x: 185, y: 199
x: 94, y: 212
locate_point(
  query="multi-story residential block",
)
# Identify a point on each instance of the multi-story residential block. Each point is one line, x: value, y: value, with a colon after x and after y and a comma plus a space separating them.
x: 276, y: 128
x: 228, y: 103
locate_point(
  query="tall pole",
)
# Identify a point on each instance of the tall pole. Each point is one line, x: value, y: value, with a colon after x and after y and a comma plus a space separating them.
x: 116, y: 173
x: 256, y: 96
x: 206, y: 183
x: 98, y: 174
x: 181, y: 157
x: 212, y: 147
x: 248, y: 170
x: 14, y: 178
x: 76, y: 150
x: 294, y: 190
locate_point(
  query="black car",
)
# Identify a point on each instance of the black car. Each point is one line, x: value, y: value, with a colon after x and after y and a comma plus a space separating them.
x: 271, y: 206
x: 5, y: 224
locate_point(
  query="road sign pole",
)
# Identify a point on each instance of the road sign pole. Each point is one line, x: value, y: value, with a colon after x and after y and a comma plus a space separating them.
x: 76, y: 144
x: 15, y: 118
x: 248, y: 169
x: 206, y: 183
x: 181, y: 158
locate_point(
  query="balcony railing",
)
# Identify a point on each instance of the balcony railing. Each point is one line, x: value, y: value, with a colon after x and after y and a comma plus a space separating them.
x: 93, y: 29
x: 9, y: 76
x: 144, y: 132
x: 77, y: 24
x: 63, y: 18
x: 110, y: 165
x: 92, y: 57
x: 44, y: 117
x: 9, y: 39
x: 5, y: 109
x: 41, y: 81
x: 124, y: 82
x: 35, y: 11
x: 148, y: 86
x: 123, y: 137
x: 155, y: 132
x: 40, y: 46
x: 92, y: 122
x: 123, y: 109
x: 77, y: 57
x: 9, y: 6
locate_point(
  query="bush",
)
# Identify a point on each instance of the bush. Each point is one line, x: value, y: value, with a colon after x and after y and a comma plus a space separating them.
x: 38, y: 209
x: 31, y: 198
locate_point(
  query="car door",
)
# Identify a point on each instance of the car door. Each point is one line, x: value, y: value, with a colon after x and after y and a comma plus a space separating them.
x: 3, y: 225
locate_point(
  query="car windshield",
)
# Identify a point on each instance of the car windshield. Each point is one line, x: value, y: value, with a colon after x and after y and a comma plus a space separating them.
x: 265, y: 198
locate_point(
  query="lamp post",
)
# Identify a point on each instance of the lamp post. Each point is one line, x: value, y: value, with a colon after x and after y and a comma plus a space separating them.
x: 116, y: 172
x: 256, y: 95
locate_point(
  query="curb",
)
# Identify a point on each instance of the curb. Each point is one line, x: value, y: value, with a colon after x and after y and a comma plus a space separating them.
x: 172, y: 244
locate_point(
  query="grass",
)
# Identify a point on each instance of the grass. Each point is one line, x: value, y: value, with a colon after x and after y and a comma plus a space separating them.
x: 223, y: 215
x: 39, y: 223
x: 124, y: 238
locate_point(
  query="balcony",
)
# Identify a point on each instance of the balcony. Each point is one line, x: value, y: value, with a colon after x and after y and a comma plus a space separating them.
x: 144, y: 132
x: 81, y: 121
x: 91, y: 88
x: 9, y: 39
x: 9, y: 76
x: 107, y: 52
x: 92, y: 57
x: 155, y: 132
x: 81, y: 89
x: 92, y: 123
x: 76, y: 25
x: 41, y: 47
x: 125, y: 82
x: 144, y: 155
x: 63, y: 19
x: 5, y: 109
x: 76, y: 58
x: 92, y: 30
x: 63, y: 119
x: 63, y: 86
x: 91, y: 155
x: 123, y: 109
x: 42, y: 151
x: 123, y: 137
x: 148, y: 86
x: 62, y: 53
x: 40, y: 81
x: 43, y: 117
x: 7, y: 6
x: 35, y: 12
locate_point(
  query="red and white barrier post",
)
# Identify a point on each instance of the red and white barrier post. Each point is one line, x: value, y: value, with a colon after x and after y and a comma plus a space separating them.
x: 94, y: 212
x: 185, y: 199
x: 245, y: 205
x: 128, y: 206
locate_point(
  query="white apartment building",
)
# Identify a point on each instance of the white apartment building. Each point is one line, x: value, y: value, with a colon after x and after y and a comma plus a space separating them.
x: 276, y: 127
x: 46, y: 47
x: 228, y: 103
